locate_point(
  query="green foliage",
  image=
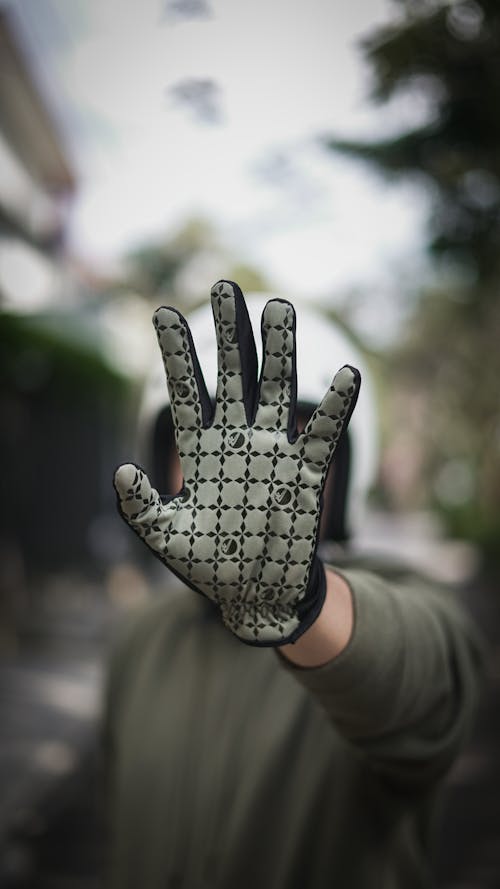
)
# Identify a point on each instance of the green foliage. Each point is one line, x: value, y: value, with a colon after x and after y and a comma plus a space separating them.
x: 171, y: 268
x: 248, y: 277
x: 450, y: 53
x: 35, y: 357
x: 153, y: 268
x: 471, y: 522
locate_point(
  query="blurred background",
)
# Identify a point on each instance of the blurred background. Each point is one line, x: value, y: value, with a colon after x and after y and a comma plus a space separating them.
x: 348, y: 155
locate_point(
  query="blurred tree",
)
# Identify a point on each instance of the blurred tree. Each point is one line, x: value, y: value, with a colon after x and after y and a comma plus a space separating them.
x: 202, y: 96
x: 449, y: 54
x: 153, y: 268
x: 247, y: 276
x: 179, y: 10
x: 179, y: 267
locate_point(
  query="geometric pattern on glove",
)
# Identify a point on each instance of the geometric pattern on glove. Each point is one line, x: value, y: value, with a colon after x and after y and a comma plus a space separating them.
x: 244, y: 529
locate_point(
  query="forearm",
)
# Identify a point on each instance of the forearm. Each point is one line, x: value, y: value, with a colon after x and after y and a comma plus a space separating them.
x: 331, y: 631
x: 404, y: 688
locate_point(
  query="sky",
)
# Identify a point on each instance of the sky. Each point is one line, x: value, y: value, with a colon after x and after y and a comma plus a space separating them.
x: 244, y: 148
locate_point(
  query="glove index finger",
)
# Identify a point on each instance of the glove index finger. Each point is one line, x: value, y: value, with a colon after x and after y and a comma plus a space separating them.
x: 331, y: 418
x: 236, y: 356
x: 188, y: 393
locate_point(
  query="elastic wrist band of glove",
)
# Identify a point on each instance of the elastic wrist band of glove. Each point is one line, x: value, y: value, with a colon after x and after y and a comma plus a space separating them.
x: 309, y: 608
x: 306, y: 611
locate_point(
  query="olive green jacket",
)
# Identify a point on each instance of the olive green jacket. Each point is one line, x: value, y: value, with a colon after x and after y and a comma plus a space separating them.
x: 230, y: 768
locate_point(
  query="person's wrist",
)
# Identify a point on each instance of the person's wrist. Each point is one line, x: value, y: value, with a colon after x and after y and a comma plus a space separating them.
x: 330, y: 633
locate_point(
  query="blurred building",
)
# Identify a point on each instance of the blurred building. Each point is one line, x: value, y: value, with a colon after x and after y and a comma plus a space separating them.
x: 61, y: 396
x: 37, y: 183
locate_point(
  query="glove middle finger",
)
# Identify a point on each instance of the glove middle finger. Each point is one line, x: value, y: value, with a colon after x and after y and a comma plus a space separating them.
x: 237, y: 378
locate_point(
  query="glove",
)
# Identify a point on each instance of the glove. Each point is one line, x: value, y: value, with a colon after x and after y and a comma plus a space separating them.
x: 244, y: 528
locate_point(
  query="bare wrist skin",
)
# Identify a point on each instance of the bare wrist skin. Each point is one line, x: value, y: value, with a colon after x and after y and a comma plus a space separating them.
x: 331, y: 631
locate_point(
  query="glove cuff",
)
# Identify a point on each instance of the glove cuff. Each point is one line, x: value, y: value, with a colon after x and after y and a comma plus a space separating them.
x: 309, y: 607
x: 306, y: 611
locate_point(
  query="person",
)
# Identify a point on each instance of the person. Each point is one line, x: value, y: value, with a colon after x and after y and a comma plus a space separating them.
x: 275, y: 721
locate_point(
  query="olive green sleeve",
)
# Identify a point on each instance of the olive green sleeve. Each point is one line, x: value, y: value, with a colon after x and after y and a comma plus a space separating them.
x: 404, y: 689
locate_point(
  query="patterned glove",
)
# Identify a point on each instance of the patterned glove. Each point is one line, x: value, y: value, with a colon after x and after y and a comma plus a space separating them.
x: 243, y: 531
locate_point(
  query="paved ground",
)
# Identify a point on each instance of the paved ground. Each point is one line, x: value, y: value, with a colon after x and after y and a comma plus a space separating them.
x: 49, y: 704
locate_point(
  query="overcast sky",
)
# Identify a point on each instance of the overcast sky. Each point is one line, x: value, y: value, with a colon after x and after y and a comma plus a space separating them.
x: 241, y: 149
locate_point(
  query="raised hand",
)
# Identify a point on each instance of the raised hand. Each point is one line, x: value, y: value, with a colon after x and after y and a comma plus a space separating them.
x: 243, y: 531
